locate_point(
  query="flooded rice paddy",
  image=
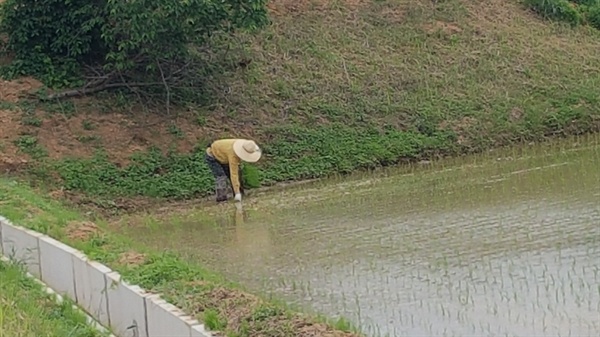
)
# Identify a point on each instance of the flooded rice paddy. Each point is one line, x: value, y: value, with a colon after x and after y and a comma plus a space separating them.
x: 506, y: 244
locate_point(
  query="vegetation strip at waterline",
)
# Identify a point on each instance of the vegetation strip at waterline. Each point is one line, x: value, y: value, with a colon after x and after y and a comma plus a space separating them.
x: 26, y: 309
x: 220, y: 304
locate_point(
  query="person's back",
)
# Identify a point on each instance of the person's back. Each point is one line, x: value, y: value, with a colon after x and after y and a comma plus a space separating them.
x: 224, y: 157
x: 222, y: 150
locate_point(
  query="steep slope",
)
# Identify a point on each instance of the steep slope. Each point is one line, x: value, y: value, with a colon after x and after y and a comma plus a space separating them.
x: 334, y: 86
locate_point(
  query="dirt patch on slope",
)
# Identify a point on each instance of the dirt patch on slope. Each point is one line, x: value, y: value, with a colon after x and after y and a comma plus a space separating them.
x: 11, y: 159
x: 442, y: 27
x: 87, y: 127
x: 119, y: 135
x: 132, y: 258
x: 81, y: 230
x: 12, y: 91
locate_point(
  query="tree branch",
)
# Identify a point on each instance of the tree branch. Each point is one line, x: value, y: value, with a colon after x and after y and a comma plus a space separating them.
x: 162, y: 75
x: 172, y: 74
x: 86, y: 90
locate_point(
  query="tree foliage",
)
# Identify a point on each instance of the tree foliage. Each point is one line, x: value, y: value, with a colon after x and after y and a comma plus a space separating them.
x: 104, y: 43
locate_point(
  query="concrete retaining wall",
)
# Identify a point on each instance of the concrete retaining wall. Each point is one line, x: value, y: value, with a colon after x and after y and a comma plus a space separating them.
x: 123, y: 308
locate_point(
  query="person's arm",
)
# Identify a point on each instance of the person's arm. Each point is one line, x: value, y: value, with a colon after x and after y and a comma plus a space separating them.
x: 234, y: 166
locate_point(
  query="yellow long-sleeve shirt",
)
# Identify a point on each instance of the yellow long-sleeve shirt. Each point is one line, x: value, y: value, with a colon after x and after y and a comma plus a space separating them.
x: 222, y: 151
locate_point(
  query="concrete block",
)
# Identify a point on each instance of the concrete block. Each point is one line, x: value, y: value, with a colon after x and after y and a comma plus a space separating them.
x: 56, y: 261
x: 199, y: 331
x: 165, y: 319
x: 2, y: 221
x: 126, y: 307
x: 22, y: 245
x: 90, y: 287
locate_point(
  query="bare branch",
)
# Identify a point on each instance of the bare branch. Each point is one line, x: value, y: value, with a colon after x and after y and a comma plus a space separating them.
x: 92, y: 69
x: 134, y: 90
x: 173, y: 74
x: 86, y: 90
x: 162, y: 75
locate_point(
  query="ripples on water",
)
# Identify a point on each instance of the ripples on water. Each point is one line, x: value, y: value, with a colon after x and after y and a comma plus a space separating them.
x: 484, y: 248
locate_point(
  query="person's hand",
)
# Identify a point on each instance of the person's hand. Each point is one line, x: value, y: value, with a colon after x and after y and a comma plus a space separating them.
x: 238, y: 197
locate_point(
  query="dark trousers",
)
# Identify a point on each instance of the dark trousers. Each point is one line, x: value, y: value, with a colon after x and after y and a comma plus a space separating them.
x: 222, y: 174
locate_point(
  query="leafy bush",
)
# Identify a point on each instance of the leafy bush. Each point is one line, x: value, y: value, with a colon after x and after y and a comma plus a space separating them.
x: 54, y: 39
x: 560, y: 10
x: 593, y: 16
x: 586, y: 2
x: 250, y: 176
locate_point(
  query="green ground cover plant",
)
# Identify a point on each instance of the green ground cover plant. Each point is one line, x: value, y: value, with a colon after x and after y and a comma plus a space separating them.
x: 26, y: 310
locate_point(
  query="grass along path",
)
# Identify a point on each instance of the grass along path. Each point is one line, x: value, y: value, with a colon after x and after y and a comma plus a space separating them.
x: 220, y: 304
x: 26, y: 310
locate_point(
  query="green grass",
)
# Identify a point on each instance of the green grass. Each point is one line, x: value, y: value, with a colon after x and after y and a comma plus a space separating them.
x: 30, y: 145
x: 27, y: 311
x: 351, y: 88
x: 197, y: 291
x: 213, y: 320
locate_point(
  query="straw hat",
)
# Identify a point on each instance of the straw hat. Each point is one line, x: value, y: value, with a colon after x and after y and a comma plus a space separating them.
x: 247, y: 150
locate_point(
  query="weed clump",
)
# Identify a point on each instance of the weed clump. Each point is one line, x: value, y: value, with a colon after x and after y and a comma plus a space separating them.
x: 27, y: 310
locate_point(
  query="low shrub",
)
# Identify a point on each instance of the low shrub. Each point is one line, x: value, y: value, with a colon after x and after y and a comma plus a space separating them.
x: 593, y: 16
x: 559, y: 10
x: 574, y: 12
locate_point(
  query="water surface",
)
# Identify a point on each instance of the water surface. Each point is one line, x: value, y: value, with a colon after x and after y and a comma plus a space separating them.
x: 503, y: 244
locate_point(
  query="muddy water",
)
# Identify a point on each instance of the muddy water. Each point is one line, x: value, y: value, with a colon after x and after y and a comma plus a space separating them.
x: 502, y: 244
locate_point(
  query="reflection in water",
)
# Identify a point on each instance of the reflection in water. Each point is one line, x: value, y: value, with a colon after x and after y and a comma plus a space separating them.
x: 253, y: 243
x: 486, y: 247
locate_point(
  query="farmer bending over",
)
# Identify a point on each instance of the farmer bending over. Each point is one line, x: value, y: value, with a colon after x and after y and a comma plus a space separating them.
x: 224, y: 157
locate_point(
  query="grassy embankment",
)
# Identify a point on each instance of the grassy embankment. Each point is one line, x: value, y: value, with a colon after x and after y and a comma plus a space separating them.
x: 26, y: 310
x: 220, y: 304
x: 333, y: 86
